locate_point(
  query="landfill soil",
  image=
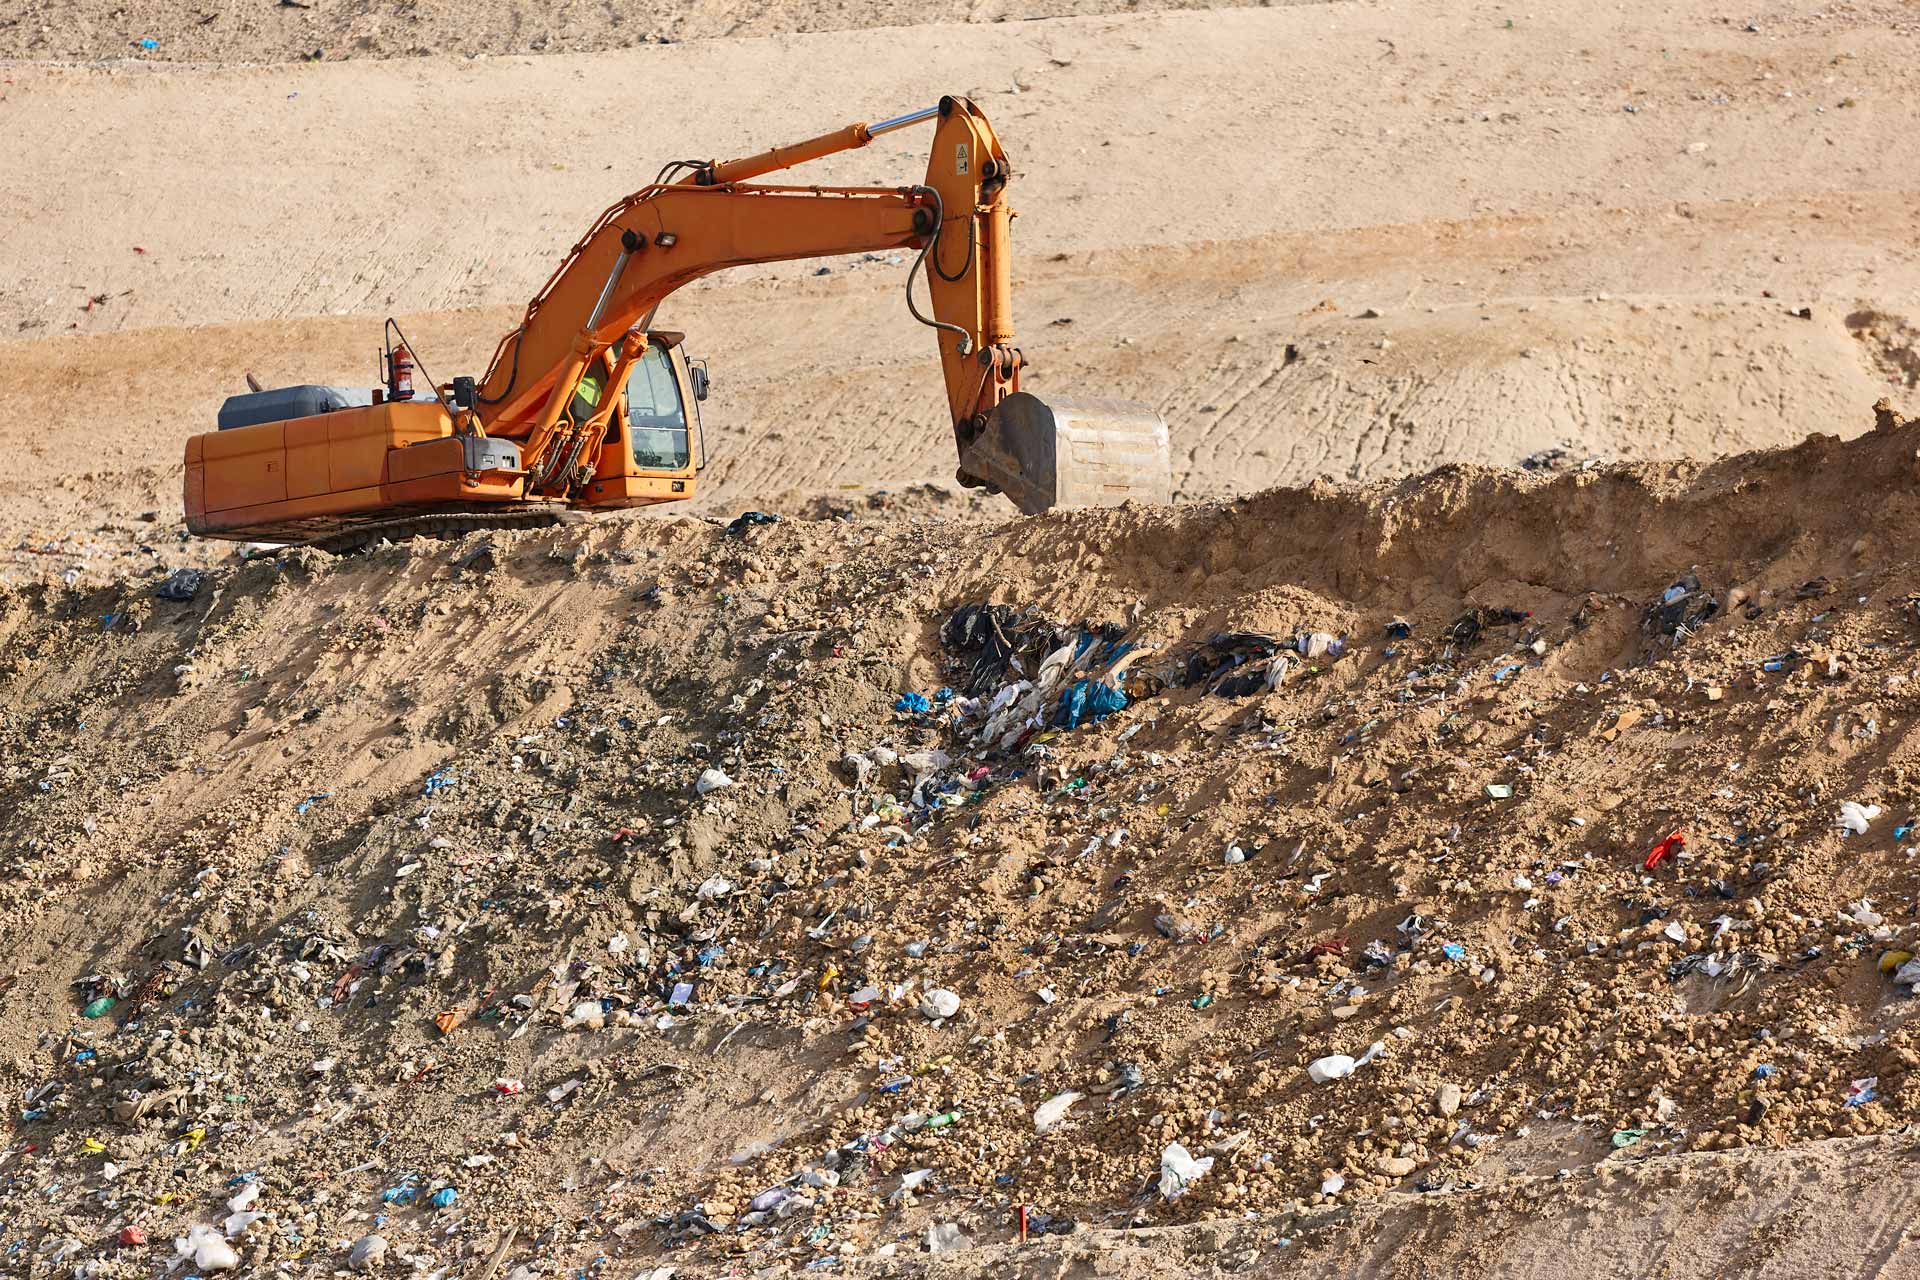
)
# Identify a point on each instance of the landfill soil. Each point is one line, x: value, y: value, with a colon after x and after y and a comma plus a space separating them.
x: 597, y: 877
x: 1471, y: 833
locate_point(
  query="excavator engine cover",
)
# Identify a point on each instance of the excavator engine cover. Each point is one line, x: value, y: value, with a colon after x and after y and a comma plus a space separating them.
x: 1061, y: 452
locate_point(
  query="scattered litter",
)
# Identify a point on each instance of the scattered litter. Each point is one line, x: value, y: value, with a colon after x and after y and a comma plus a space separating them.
x: 208, y: 1249
x: 945, y: 1237
x: 1855, y: 817
x: 748, y: 520
x: 1054, y: 1110
x: 367, y: 1253
x: 1667, y: 848
x: 1681, y: 610
x: 1334, y: 1066
x: 1089, y: 701
x: 939, y: 1003
x: 182, y: 584
x: 1179, y: 1171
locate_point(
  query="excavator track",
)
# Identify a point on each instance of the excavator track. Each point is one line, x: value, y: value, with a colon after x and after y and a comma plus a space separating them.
x: 444, y: 525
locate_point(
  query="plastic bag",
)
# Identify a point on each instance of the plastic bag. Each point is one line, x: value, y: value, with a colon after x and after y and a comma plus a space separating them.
x: 1179, y: 1170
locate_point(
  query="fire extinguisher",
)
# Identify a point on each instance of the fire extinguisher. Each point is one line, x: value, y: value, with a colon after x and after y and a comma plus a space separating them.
x: 400, y: 374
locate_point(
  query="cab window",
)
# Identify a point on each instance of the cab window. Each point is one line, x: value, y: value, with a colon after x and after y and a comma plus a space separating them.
x: 656, y: 414
x: 586, y: 393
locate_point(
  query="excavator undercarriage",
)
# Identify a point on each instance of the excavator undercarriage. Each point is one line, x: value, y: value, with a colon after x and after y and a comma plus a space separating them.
x: 585, y: 406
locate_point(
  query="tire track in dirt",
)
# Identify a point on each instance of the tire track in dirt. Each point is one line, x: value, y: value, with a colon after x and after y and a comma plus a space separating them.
x: 184, y: 31
x: 247, y: 185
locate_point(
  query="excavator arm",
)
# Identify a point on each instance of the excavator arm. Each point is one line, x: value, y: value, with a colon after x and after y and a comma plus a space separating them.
x: 666, y: 235
x: 713, y: 217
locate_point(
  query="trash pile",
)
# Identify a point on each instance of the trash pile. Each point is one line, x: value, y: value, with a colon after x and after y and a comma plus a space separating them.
x: 717, y: 926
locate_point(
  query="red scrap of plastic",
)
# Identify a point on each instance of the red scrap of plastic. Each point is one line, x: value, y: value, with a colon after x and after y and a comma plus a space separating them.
x: 132, y: 1235
x: 1329, y: 947
x: 139, y: 248
x: 1673, y: 844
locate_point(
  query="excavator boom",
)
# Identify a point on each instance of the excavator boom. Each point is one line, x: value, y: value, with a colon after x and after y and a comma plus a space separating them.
x: 539, y: 426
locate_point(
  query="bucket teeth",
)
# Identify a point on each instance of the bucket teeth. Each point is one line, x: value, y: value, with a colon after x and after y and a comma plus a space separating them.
x: 1060, y: 452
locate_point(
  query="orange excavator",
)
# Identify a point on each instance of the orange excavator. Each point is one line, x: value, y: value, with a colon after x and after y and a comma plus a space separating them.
x: 585, y: 406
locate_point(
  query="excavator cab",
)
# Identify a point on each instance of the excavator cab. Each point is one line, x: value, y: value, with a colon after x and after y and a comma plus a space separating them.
x: 653, y: 449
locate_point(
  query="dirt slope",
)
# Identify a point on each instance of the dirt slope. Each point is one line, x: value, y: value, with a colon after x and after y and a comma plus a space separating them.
x: 329, y: 802
x: 1752, y: 1213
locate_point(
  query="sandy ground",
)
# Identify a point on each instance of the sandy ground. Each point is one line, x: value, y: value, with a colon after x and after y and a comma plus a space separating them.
x: 1590, y: 229
x: 321, y: 30
x: 1336, y: 242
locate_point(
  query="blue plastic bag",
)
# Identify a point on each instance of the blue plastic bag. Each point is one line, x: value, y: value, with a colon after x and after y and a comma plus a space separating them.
x: 1089, y: 701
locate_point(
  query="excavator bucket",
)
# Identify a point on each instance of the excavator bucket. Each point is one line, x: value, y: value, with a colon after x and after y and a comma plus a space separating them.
x: 1062, y: 452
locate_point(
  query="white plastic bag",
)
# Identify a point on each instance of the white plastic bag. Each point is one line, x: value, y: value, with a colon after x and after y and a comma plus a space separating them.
x: 1332, y: 1067
x: 1054, y: 1110
x: 939, y: 1003
x: 208, y: 1249
x: 1179, y: 1170
x: 1854, y: 817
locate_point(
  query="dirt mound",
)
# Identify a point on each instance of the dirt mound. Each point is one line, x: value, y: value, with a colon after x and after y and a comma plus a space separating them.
x: 773, y: 894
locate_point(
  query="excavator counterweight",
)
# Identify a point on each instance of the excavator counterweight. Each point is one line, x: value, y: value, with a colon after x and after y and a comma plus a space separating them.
x: 585, y: 406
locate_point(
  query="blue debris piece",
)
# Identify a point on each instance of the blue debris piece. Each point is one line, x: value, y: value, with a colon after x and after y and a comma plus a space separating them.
x: 1089, y: 701
x: 913, y: 702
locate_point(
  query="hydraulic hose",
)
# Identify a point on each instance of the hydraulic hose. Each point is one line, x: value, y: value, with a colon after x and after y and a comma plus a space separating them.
x: 965, y: 346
